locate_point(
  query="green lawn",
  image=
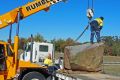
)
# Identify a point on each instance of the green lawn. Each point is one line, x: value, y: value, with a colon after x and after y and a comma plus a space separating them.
x: 111, y: 58
x: 111, y: 69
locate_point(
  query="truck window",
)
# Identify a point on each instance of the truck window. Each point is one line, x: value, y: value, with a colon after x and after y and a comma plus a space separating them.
x: 43, y: 48
x: 2, y: 57
x: 1, y: 50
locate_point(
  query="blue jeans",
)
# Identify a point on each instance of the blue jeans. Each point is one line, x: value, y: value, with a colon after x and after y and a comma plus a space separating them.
x: 51, y: 69
x: 95, y: 33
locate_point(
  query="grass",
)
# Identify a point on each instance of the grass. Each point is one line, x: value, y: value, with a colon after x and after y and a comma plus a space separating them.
x: 112, y: 69
x: 111, y: 58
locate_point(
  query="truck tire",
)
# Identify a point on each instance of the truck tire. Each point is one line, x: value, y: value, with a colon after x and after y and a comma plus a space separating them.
x: 33, y: 76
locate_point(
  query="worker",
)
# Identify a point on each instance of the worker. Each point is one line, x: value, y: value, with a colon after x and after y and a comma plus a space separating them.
x: 48, y: 62
x: 96, y: 26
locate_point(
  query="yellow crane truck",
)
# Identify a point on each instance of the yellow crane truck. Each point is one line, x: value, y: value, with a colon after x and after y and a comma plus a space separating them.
x: 11, y: 66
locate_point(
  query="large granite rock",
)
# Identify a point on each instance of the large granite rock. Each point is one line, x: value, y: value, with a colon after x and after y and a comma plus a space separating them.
x: 85, y: 57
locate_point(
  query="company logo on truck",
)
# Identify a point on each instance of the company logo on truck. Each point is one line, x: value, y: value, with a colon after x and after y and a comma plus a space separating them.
x: 36, y: 5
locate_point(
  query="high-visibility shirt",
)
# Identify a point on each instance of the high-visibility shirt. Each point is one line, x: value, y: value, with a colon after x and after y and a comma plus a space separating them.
x: 100, y: 22
x: 48, y: 62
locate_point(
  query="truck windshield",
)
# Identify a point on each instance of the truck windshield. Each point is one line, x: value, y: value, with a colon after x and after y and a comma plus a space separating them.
x: 43, y: 48
x: 1, y: 51
x: 2, y: 57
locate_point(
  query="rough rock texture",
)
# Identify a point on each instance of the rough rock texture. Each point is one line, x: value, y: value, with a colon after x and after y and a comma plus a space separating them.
x: 86, y: 57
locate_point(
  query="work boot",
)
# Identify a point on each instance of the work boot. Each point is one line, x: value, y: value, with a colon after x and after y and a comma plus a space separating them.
x: 92, y: 42
x: 98, y: 41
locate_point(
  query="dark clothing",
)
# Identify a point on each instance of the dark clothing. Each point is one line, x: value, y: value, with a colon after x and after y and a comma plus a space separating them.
x: 94, y: 25
x: 52, y: 69
x: 95, y: 31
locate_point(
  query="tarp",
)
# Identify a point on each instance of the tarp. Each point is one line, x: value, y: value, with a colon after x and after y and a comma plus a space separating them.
x: 85, y: 57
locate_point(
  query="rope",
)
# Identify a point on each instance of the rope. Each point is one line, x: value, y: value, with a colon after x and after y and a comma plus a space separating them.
x: 81, y: 34
x: 92, y: 5
x: 90, y: 18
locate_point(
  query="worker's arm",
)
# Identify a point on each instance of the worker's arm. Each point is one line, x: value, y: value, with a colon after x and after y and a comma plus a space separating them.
x: 48, y: 62
x: 25, y: 11
x: 101, y: 27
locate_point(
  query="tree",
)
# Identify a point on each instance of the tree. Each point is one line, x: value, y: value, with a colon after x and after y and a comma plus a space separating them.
x: 22, y: 42
x: 112, y: 45
x: 38, y: 38
x: 60, y: 44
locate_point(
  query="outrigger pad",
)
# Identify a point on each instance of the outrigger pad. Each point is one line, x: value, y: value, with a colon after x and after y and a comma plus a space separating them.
x: 85, y: 57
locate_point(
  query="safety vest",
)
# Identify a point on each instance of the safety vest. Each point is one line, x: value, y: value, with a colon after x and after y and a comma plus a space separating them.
x: 100, y: 22
x: 48, y: 62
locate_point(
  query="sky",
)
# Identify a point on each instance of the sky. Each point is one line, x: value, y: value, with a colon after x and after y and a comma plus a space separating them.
x: 64, y: 20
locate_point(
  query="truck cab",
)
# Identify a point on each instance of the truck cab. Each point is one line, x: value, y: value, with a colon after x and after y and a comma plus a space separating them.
x: 6, y: 60
x: 36, y: 52
x: 2, y: 60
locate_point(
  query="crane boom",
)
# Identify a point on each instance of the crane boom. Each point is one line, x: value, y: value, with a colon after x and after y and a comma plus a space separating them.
x: 25, y: 11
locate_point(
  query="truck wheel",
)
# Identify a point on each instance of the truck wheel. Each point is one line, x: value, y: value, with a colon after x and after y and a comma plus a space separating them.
x: 33, y: 76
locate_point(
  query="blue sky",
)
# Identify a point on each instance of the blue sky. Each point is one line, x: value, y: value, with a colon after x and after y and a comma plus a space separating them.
x: 64, y: 19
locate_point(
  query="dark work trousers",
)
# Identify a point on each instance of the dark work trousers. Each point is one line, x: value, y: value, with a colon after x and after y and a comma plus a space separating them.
x: 51, y: 69
x: 95, y: 31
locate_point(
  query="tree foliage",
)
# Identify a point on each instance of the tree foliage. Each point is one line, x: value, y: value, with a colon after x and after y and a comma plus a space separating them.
x: 22, y: 42
x: 61, y: 43
x: 112, y: 45
x: 37, y: 38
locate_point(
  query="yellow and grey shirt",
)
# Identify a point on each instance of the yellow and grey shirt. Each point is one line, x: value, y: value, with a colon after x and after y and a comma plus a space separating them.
x: 48, y: 62
x: 100, y: 22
